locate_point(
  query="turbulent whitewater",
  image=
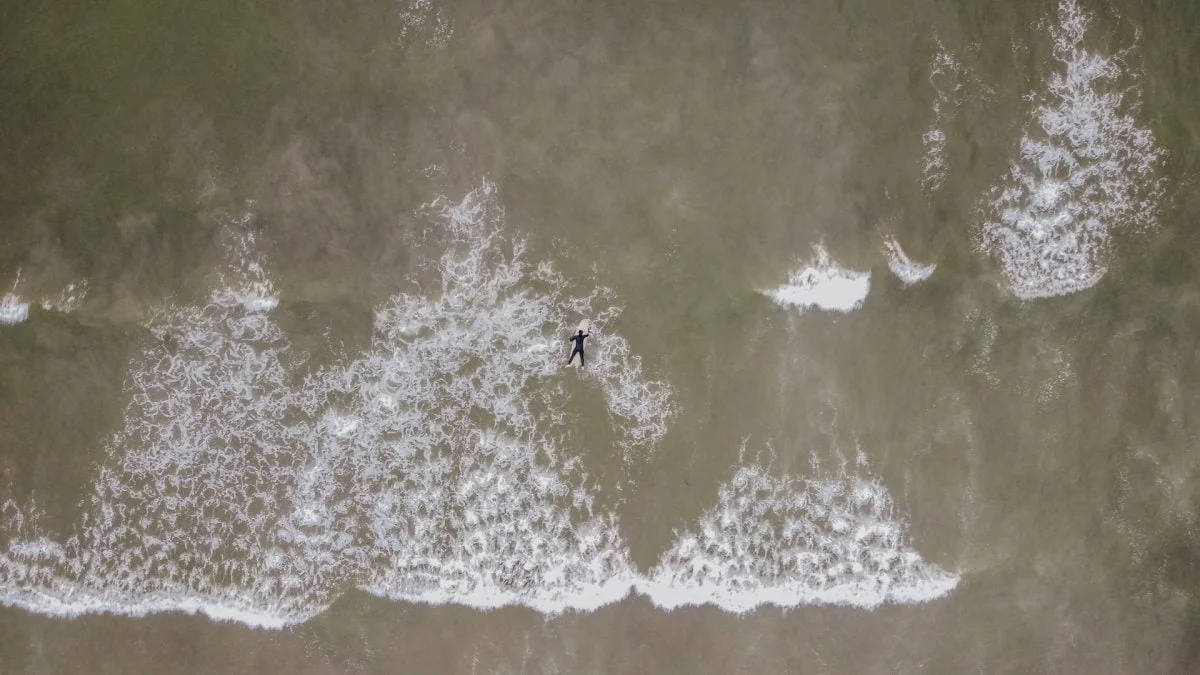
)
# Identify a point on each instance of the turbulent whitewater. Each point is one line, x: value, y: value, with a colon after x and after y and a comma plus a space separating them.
x: 436, y: 467
x: 1086, y: 168
x: 823, y: 284
x: 788, y: 541
x: 906, y: 269
x: 13, y: 309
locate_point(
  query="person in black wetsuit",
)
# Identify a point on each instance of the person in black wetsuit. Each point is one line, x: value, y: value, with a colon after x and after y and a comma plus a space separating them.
x: 578, y: 339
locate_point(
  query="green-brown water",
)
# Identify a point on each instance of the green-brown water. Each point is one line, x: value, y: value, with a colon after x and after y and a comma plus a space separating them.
x: 991, y: 469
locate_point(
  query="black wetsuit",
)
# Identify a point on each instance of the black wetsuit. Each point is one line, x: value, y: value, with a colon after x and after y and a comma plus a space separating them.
x: 578, y: 340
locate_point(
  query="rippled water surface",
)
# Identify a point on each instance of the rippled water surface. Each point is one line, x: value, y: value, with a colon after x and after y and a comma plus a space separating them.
x: 893, y: 360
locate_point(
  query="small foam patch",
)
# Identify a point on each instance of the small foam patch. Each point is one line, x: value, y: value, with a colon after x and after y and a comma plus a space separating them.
x: 823, y: 284
x: 422, y: 20
x: 68, y: 299
x: 13, y: 310
x: 905, y: 269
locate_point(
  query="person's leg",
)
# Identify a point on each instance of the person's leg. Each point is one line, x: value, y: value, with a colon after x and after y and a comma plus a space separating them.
x: 575, y: 351
x: 582, y: 361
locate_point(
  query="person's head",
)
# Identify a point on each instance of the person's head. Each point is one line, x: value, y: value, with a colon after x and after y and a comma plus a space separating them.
x: 581, y: 331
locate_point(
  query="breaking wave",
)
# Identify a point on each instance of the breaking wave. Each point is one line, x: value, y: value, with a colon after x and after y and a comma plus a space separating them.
x: 1085, y: 168
x: 13, y: 309
x: 788, y: 541
x: 437, y: 466
x: 823, y: 284
x: 907, y: 270
x: 431, y: 468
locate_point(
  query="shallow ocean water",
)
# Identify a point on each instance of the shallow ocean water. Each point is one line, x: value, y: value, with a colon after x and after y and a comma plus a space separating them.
x: 893, y: 359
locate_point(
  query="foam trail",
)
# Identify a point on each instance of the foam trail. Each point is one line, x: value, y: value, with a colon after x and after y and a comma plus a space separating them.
x: 945, y: 76
x: 823, y: 284
x: 933, y: 164
x: 1085, y: 168
x: 788, y: 542
x: 641, y: 407
x: 907, y: 270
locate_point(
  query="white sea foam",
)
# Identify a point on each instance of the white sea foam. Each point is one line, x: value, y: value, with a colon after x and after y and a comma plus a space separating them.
x: 953, y: 83
x: 903, y: 267
x: 984, y: 331
x: 435, y: 467
x: 636, y: 403
x: 1085, y: 167
x: 182, y: 511
x: 68, y: 299
x: 790, y: 541
x: 945, y: 76
x: 430, y: 469
x: 933, y: 165
x: 823, y: 284
x: 244, y: 281
x: 471, y: 498
x: 13, y: 309
x: 424, y: 16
